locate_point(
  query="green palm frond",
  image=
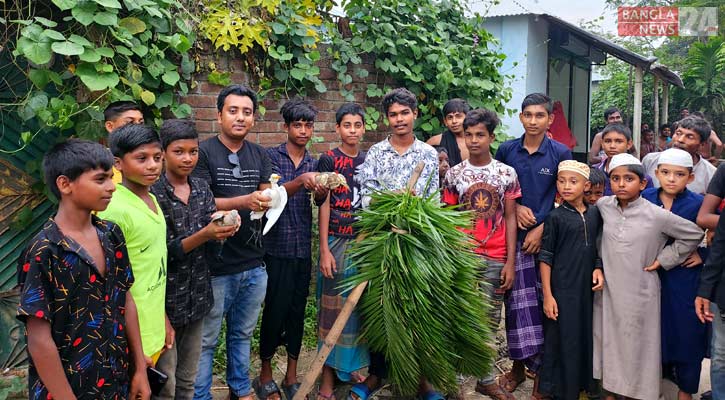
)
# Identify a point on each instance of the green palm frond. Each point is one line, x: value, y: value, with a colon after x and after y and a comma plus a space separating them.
x: 422, y: 308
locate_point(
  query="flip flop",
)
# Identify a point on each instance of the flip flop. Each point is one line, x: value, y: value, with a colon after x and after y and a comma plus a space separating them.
x: 263, y: 391
x: 290, y: 390
x: 362, y: 391
x: 321, y: 396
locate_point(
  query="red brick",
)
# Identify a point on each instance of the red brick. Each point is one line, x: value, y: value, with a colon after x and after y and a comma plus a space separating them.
x: 321, y: 105
x: 209, y: 88
x: 208, y: 114
x: 267, y: 127
x: 240, y: 77
x: 326, y: 116
x: 328, y: 137
x: 200, y: 100
x: 271, y: 138
x: 205, y: 136
x: 333, y: 95
x: 206, y: 127
x: 237, y: 65
x: 318, y: 148
x: 271, y: 115
x: 360, y: 97
x: 271, y: 104
x: 252, y: 137
x: 327, y: 74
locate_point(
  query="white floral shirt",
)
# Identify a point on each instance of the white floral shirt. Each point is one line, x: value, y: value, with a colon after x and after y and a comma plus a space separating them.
x: 385, y: 169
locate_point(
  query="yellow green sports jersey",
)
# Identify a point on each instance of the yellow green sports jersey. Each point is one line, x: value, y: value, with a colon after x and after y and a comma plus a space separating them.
x: 145, y: 233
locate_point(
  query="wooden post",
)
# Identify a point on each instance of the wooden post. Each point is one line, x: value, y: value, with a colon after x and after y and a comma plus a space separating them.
x: 656, y: 93
x: 665, y: 102
x: 339, y: 325
x: 637, y: 108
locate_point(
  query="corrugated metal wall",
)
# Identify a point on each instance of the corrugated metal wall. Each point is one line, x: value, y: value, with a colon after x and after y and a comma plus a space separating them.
x: 16, y: 197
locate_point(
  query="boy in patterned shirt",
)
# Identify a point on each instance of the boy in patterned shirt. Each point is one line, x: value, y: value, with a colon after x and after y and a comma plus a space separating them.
x: 75, y: 278
x: 489, y: 188
x: 187, y: 204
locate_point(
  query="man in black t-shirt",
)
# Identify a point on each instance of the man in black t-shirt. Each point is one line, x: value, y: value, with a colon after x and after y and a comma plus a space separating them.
x: 236, y: 171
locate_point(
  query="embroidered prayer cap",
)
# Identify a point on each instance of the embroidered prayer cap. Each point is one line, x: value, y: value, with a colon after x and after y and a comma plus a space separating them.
x: 674, y: 156
x: 623, y: 159
x: 575, y: 166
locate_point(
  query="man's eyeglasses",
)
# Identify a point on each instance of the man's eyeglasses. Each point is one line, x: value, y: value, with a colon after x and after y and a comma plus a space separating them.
x: 237, y: 170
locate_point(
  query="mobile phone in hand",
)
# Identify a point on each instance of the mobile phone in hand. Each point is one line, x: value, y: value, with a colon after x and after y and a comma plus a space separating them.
x: 157, y: 380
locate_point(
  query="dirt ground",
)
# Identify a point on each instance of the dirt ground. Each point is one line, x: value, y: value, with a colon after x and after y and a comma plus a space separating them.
x: 220, y: 390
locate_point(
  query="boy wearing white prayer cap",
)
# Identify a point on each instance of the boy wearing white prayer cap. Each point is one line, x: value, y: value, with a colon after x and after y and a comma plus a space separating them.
x: 570, y: 271
x: 684, y: 337
x: 626, y: 320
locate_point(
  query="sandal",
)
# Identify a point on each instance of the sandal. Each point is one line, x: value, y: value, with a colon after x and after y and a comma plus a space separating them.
x: 290, y: 390
x: 361, y: 391
x: 263, y: 391
x: 494, y: 391
x: 321, y: 396
x: 508, y: 382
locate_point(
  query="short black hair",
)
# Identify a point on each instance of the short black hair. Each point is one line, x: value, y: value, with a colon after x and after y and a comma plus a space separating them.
x: 611, y: 110
x: 635, y: 169
x: 440, y: 149
x: 238, y: 90
x: 664, y: 126
x: 349, y: 109
x: 401, y: 96
x: 538, y: 99
x: 456, y: 105
x: 297, y: 109
x: 619, y: 128
x: 129, y: 137
x: 177, y: 129
x: 115, y: 109
x: 72, y: 158
x: 697, y: 124
x: 482, y: 116
x: 597, y: 177
x: 698, y: 114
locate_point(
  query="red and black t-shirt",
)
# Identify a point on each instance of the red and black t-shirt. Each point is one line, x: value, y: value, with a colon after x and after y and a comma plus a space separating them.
x: 343, y: 201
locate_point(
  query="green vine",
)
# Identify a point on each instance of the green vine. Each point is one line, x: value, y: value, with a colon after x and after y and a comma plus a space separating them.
x: 430, y: 47
x: 82, y: 54
x: 278, y: 38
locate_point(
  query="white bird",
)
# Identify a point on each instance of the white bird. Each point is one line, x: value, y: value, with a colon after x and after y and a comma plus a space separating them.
x: 278, y: 194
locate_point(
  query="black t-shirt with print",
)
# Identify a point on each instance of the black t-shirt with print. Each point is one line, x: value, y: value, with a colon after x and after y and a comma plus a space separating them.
x: 343, y: 201
x: 226, y: 179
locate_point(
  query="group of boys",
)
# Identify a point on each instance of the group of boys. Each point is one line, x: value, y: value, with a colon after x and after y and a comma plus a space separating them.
x: 82, y: 276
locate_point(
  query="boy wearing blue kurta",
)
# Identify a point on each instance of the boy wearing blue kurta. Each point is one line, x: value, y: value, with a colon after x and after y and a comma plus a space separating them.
x: 684, y: 338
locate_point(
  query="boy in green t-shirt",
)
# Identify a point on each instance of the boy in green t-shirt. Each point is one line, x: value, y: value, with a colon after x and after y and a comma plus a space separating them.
x: 138, y: 156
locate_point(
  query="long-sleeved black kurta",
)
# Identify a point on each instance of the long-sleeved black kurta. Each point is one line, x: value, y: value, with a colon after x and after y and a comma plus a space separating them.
x: 569, y: 246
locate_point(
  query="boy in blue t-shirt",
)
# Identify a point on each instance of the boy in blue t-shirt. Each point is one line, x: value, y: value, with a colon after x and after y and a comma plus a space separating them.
x: 535, y: 158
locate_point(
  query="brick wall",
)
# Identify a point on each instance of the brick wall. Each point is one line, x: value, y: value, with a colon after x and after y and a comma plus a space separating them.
x: 268, y: 130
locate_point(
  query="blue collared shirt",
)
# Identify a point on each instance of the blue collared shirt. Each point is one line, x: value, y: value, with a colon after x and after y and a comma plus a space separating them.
x: 536, y: 171
x: 291, y: 236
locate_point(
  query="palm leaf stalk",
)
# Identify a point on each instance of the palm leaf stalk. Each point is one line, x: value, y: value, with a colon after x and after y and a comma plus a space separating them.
x: 423, y: 308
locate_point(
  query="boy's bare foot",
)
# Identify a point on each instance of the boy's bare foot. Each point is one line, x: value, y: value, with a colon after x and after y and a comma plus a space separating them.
x: 494, y: 391
x: 510, y: 380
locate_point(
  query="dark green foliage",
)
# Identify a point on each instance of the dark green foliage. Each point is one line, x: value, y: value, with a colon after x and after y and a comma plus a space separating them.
x: 422, y: 307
